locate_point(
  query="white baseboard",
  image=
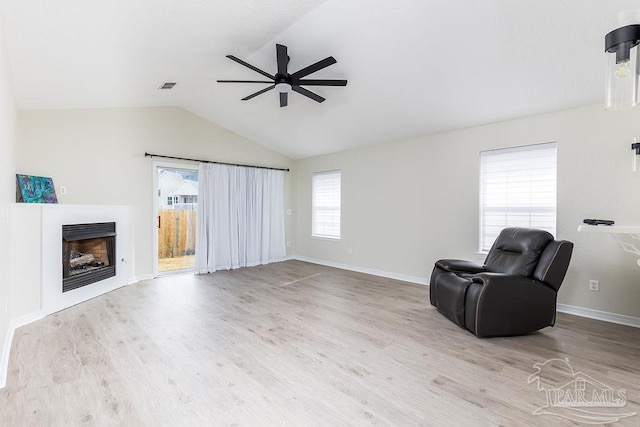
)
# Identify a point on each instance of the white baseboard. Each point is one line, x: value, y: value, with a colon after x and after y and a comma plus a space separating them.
x: 135, y: 279
x: 397, y: 276
x: 13, y: 325
x: 599, y: 315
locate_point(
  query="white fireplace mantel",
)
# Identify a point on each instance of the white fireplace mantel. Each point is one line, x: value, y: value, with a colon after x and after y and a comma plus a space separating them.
x: 36, y: 240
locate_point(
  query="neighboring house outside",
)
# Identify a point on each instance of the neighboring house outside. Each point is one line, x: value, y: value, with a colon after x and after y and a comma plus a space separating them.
x: 176, y: 192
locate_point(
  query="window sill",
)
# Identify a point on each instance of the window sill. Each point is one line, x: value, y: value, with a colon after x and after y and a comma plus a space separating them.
x: 326, y: 238
x: 481, y: 255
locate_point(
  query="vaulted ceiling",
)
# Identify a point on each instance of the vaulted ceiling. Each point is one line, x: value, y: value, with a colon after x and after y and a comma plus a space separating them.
x: 414, y: 67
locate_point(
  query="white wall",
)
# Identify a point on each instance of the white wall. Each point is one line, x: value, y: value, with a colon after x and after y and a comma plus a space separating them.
x: 407, y: 204
x: 7, y: 191
x: 99, y: 156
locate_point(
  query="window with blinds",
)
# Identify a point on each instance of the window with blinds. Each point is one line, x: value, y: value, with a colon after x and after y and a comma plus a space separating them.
x: 325, y: 195
x: 517, y: 189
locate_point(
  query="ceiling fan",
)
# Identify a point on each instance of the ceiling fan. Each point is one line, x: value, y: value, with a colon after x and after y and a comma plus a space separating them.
x: 283, y: 82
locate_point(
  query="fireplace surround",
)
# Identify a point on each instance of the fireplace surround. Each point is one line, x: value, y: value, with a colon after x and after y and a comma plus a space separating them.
x: 39, y: 276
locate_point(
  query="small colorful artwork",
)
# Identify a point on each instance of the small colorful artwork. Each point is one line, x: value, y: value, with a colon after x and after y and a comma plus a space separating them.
x: 35, y: 189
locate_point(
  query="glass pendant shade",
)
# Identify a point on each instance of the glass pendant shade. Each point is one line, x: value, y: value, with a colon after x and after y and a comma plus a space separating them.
x: 623, y: 72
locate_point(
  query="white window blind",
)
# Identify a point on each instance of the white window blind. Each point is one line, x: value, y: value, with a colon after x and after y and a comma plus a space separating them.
x: 517, y: 189
x: 326, y: 205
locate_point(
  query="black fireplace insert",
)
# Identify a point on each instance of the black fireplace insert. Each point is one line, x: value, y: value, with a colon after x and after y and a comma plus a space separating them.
x: 88, y: 254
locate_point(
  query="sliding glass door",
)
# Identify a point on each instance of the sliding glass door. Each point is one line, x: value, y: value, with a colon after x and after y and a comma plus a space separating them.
x: 176, y: 217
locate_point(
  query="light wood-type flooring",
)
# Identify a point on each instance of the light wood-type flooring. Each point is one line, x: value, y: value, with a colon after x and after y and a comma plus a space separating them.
x: 296, y: 344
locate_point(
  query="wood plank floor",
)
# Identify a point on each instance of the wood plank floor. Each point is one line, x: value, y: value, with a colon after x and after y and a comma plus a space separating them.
x: 292, y: 344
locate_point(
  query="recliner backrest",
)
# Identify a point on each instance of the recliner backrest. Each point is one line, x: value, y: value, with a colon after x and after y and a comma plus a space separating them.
x: 517, y: 251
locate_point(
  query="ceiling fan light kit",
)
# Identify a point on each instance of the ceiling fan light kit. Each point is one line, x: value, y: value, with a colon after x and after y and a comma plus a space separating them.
x: 283, y: 82
x: 283, y: 87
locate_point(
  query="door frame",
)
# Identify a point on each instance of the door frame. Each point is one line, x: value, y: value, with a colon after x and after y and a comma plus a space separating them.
x: 154, y: 218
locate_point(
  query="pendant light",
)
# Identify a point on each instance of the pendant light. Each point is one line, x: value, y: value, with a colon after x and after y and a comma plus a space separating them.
x: 623, y: 65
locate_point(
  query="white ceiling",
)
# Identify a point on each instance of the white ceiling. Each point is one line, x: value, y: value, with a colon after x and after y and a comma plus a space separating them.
x: 414, y: 67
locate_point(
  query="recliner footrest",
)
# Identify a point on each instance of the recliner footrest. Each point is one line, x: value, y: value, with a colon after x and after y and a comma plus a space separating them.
x: 451, y: 296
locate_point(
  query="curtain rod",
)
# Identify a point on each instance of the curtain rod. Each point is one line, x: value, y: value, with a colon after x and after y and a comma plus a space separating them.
x: 211, y: 161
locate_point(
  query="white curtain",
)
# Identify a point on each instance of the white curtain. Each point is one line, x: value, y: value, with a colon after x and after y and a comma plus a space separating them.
x: 240, y: 217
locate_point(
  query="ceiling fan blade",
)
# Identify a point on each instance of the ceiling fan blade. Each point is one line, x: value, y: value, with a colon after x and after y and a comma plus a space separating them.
x: 311, y: 82
x: 257, y: 70
x: 260, y: 92
x: 284, y: 99
x: 282, y: 58
x: 243, y: 81
x: 307, y: 93
x: 314, y: 67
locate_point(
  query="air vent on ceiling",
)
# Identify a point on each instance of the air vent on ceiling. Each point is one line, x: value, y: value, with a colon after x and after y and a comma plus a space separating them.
x: 167, y: 86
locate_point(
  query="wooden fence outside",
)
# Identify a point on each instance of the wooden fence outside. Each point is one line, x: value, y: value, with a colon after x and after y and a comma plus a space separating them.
x: 177, y: 233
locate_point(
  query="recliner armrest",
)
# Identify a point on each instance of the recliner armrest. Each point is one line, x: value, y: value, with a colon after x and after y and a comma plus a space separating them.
x: 459, y: 265
x: 507, y: 282
x: 509, y: 304
x: 504, y: 280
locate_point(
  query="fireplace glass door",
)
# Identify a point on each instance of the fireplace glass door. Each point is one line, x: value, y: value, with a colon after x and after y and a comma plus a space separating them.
x: 88, y: 254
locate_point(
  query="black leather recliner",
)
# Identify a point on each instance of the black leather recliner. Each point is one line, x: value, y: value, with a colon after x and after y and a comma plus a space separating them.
x: 515, y: 291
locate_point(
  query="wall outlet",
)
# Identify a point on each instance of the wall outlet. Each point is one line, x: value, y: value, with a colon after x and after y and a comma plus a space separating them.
x: 289, y: 212
x: 288, y: 243
x: 349, y: 251
x: 63, y: 189
x: 594, y: 285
